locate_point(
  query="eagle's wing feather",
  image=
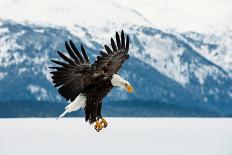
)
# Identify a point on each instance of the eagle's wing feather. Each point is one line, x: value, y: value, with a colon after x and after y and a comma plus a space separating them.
x: 111, y: 61
x: 75, y: 75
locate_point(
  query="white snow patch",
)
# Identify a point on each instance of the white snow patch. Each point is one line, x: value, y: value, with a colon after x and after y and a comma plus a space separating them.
x: 58, y: 98
x: 41, y: 93
x: 2, y: 75
x: 230, y: 94
x: 123, y: 136
x: 202, y: 72
x: 163, y: 55
x: 205, y: 99
x: 221, y: 55
x: 4, y: 30
x: 39, y: 30
x: 7, y: 54
x: 22, y: 70
x: 40, y: 59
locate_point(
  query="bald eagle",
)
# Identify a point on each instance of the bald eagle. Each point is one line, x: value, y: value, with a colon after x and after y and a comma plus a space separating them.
x: 84, y: 84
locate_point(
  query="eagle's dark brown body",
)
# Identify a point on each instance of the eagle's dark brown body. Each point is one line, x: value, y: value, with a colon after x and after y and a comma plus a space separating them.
x: 77, y: 76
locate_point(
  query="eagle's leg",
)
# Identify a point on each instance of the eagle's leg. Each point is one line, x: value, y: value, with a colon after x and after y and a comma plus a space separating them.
x: 97, y: 126
x: 102, y: 120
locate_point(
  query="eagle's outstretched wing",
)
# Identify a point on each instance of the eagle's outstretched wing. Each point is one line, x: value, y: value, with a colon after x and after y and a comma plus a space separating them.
x: 111, y: 61
x: 75, y: 75
x: 78, y: 75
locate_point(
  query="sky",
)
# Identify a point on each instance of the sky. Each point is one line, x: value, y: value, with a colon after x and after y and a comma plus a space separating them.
x: 181, y: 15
x: 185, y: 15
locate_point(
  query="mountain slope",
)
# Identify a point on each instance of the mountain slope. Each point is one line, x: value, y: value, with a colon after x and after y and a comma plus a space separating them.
x: 162, y: 67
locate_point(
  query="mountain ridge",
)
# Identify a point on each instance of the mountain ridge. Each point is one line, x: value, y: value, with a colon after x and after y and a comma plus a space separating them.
x: 162, y: 68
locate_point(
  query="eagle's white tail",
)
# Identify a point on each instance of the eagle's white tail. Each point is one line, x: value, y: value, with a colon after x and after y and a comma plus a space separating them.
x: 79, y: 102
x: 63, y: 114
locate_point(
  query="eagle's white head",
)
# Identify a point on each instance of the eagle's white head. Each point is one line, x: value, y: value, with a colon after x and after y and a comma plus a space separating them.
x: 120, y: 82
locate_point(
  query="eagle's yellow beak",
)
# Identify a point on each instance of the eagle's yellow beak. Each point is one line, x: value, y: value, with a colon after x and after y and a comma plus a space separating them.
x: 129, y: 88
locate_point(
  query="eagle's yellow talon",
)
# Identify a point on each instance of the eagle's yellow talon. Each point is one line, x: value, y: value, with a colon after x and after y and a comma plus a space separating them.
x: 98, y: 126
x: 103, y: 123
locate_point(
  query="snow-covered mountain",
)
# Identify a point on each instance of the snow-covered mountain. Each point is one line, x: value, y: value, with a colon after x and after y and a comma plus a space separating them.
x: 166, y: 64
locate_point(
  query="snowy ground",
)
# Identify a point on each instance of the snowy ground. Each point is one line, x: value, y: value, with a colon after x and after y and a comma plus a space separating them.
x: 142, y: 136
